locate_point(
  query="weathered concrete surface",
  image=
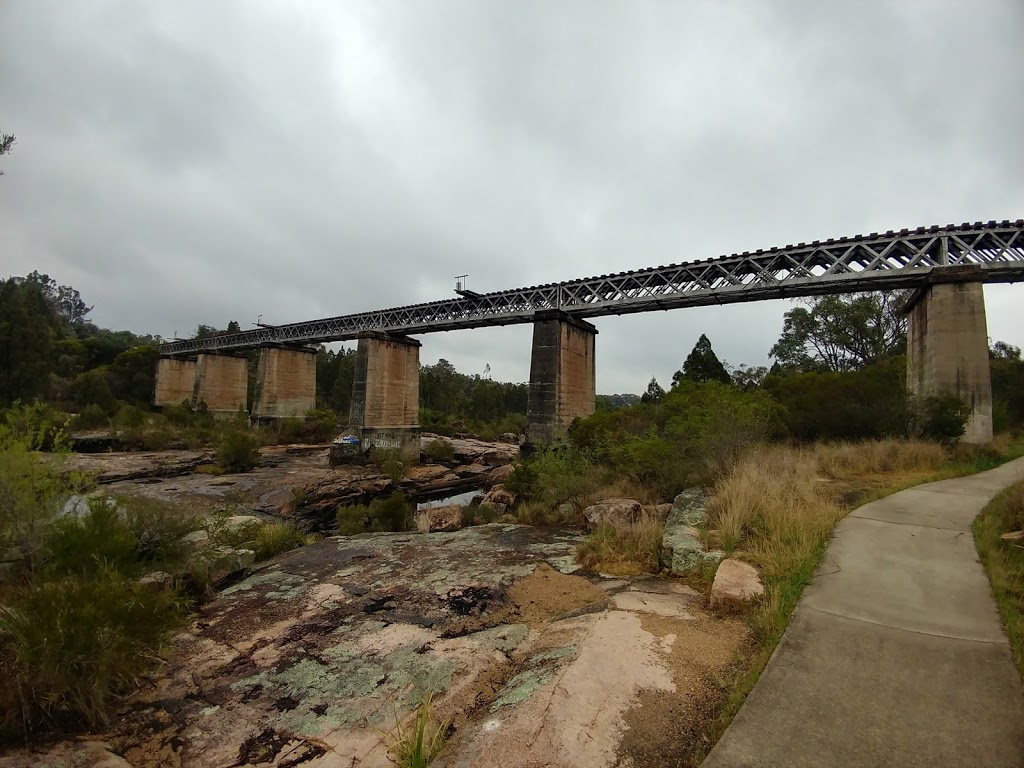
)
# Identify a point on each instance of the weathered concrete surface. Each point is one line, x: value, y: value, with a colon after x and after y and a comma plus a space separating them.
x: 947, y: 351
x: 895, y: 654
x: 285, y: 383
x: 308, y: 661
x: 386, y: 393
x: 175, y: 380
x: 222, y: 383
x: 562, y: 376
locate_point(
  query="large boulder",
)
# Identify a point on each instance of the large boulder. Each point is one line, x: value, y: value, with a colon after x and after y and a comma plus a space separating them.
x: 500, y: 495
x: 688, y: 508
x: 681, y: 548
x: 614, y: 512
x: 500, y: 474
x: 735, y: 583
x: 224, y: 563
x: 448, y: 518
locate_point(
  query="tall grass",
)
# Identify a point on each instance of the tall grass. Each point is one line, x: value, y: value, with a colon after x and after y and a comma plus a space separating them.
x: 624, y: 549
x: 69, y: 646
x: 417, y: 745
x: 1004, y: 561
x: 873, y: 457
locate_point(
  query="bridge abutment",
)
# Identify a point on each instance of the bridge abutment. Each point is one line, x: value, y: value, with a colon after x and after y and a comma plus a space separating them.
x: 386, y: 394
x: 285, y: 383
x: 175, y: 380
x: 947, y: 351
x: 222, y: 383
x: 562, y: 383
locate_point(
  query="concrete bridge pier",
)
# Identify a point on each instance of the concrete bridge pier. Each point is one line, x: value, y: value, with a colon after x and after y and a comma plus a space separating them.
x: 947, y: 350
x: 175, y: 380
x: 562, y: 383
x: 285, y: 383
x: 386, y: 394
x: 222, y: 383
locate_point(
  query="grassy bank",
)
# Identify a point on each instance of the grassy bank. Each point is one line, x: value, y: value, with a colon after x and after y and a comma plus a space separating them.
x: 1004, y: 561
x: 777, y: 507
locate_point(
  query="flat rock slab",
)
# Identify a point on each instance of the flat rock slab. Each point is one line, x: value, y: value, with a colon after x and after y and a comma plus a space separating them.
x: 895, y: 654
x: 309, y: 661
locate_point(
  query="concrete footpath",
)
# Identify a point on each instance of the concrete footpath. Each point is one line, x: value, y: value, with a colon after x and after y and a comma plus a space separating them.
x: 895, y: 655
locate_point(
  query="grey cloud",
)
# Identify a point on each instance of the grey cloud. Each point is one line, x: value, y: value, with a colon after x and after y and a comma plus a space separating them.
x: 195, y: 162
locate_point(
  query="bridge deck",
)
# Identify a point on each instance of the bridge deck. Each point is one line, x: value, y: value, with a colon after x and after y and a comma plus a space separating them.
x: 990, y: 252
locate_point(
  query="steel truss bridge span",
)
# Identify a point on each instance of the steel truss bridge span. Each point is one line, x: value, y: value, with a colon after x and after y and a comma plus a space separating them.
x: 991, y: 253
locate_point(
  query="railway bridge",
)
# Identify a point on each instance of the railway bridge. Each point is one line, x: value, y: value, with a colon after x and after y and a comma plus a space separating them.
x: 947, y: 334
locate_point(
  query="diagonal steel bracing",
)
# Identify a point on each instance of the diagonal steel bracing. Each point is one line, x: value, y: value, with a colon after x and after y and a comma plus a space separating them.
x: 903, y: 259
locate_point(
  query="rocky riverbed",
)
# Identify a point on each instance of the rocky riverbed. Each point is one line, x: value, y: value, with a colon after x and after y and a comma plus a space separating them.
x: 293, y: 482
x: 311, y: 658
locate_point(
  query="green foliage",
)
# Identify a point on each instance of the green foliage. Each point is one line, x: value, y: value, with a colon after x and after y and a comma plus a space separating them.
x: 691, y: 436
x: 28, y: 329
x: 842, y: 332
x: 67, y: 647
x: 851, y: 405
x: 654, y: 392
x: 131, y: 375
x: 439, y: 451
x: 941, y: 417
x: 274, y: 538
x: 91, y: 388
x: 388, y: 461
x: 418, y: 745
x: 238, y: 451
x: 91, y: 417
x: 318, y: 426
x: 37, y: 425
x: 391, y: 514
x: 702, y: 364
x: 555, y: 475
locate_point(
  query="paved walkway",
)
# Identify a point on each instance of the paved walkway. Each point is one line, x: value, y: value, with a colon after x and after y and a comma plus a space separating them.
x: 895, y: 655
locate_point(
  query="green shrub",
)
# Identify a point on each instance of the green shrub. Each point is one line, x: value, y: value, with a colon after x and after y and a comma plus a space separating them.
x: 555, y: 476
x: 38, y: 426
x: 274, y: 538
x: 238, y: 451
x: 92, y: 417
x: 130, y: 417
x: 942, y: 418
x: 439, y: 451
x: 92, y: 388
x: 67, y: 647
x: 391, y: 514
x: 389, y: 462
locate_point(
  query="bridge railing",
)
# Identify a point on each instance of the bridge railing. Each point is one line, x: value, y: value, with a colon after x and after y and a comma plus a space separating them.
x: 886, y: 261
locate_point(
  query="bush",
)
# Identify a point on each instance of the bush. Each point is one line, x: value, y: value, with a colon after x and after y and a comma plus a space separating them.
x: 941, y: 417
x: 92, y: 388
x: 391, y: 514
x: 238, y: 451
x: 555, y: 476
x: 439, y: 451
x: 92, y: 417
x: 36, y: 425
x: 67, y: 647
x: 130, y: 417
x: 270, y: 539
x: 319, y: 426
x: 389, y: 463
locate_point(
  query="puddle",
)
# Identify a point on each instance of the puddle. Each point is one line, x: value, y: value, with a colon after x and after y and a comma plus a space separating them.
x: 462, y: 499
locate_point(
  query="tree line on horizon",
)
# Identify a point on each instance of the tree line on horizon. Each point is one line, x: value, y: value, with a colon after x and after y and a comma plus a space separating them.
x: 838, y: 370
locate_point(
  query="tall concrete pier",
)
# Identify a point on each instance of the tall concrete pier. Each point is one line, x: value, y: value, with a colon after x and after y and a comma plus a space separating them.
x: 562, y: 382
x: 386, y: 393
x: 222, y: 383
x: 285, y: 383
x: 175, y: 380
x: 947, y: 351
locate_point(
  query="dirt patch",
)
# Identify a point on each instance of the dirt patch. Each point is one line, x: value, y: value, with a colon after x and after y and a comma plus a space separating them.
x: 665, y: 729
x: 547, y: 593
x: 532, y: 600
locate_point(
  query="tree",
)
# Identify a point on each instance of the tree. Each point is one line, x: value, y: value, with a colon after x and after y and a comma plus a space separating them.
x: 1003, y: 351
x: 842, y: 333
x: 654, y: 392
x: 702, y: 364
x: 6, y: 143
x: 748, y: 378
x: 27, y: 331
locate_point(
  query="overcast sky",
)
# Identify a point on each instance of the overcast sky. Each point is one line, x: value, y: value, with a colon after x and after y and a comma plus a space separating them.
x: 198, y: 162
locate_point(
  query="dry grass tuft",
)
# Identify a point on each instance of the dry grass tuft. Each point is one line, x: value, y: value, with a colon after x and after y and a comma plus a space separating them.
x: 542, y: 513
x: 627, y: 488
x: 843, y: 461
x: 624, y: 549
